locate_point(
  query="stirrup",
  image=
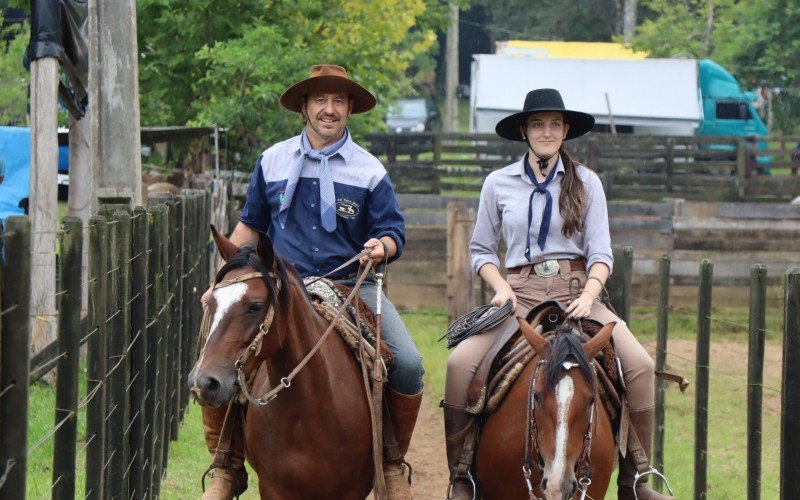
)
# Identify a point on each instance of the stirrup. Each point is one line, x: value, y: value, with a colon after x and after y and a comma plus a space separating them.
x: 402, y: 466
x: 652, y: 471
x: 234, y: 478
x: 469, y: 478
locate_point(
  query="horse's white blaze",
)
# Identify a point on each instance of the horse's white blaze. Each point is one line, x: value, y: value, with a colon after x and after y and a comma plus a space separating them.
x: 564, y: 392
x: 225, y: 297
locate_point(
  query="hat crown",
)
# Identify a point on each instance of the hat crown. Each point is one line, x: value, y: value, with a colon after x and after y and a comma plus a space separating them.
x: 328, y: 70
x: 544, y: 99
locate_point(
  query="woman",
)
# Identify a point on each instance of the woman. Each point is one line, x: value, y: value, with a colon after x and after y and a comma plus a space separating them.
x: 552, y: 214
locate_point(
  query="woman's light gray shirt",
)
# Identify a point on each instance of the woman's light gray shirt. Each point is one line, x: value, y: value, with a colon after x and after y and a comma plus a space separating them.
x: 503, y: 209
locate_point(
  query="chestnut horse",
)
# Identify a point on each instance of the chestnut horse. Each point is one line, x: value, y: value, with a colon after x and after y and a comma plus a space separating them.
x: 314, y: 439
x: 554, y: 406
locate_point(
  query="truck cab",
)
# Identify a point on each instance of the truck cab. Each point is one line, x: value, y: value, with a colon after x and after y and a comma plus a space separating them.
x: 727, y: 110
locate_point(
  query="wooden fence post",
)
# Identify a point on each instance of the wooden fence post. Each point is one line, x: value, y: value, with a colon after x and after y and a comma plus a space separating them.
x: 14, y: 356
x: 180, y: 352
x: 620, y: 287
x: 117, y: 451
x: 701, y: 371
x: 755, y: 377
x: 151, y: 371
x: 661, y: 361
x: 96, y: 358
x: 460, y: 222
x: 741, y: 167
x: 69, y: 332
x: 138, y: 351
x: 790, y: 399
x: 670, y: 164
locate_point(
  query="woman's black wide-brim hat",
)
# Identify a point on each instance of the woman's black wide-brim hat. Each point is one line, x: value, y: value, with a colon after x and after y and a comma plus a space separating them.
x: 539, y: 101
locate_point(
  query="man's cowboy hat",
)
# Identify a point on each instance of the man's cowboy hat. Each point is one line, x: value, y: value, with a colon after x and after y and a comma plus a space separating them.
x: 539, y: 101
x: 328, y: 77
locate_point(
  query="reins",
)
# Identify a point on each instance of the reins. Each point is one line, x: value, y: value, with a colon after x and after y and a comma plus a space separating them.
x: 263, y: 330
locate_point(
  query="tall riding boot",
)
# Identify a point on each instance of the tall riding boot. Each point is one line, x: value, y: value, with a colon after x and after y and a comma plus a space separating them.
x: 403, y: 410
x: 642, y: 422
x: 228, y: 475
x: 460, y: 430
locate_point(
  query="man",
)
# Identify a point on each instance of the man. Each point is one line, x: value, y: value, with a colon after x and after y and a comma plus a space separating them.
x: 322, y: 199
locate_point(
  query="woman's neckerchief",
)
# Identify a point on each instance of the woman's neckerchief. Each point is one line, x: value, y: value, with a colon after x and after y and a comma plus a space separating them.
x: 539, y: 187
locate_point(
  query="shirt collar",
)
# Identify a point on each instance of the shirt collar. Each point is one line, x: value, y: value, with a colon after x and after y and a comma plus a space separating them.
x: 520, y: 170
x: 346, y: 151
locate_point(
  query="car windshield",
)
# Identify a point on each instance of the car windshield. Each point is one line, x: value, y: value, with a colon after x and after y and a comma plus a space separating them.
x: 408, y: 108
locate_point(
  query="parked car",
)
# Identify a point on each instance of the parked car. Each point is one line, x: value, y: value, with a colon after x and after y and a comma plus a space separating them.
x: 415, y: 114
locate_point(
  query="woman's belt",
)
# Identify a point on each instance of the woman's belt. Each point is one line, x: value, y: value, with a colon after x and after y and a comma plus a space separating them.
x: 551, y: 267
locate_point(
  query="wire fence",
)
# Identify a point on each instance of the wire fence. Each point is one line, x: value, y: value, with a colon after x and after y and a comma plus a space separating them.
x: 145, y: 270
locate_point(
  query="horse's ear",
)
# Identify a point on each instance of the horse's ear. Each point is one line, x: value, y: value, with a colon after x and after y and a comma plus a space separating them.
x: 533, y: 336
x: 225, y: 248
x: 599, y: 341
x: 265, y: 251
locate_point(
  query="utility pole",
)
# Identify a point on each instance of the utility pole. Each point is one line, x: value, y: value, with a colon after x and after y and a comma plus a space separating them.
x: 43, y: 199
x: 114, y: 92
x: 629, y: 20
x: 451, y: 73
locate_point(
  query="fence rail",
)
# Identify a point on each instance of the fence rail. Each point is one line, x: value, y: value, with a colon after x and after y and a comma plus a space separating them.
x: 640, y: 167
x: 146, y: 267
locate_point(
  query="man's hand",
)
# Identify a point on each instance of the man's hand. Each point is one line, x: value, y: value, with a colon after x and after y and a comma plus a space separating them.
x: 377, y: 252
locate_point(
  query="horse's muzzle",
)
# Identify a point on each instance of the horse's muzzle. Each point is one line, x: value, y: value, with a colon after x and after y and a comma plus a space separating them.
x: 209, y: 390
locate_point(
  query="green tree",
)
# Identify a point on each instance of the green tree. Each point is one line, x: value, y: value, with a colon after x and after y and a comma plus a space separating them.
x: 568, y: 20
x: 14, y: 77
x: 195, y: 68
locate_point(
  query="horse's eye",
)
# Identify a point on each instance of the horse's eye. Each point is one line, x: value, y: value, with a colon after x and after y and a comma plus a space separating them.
x: 591, y: 402
x: 537, y: 398
x: 255, y: 308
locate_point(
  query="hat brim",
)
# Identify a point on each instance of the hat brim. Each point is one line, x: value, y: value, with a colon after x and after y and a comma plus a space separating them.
x: 363, y: 99
x: 579, y: 123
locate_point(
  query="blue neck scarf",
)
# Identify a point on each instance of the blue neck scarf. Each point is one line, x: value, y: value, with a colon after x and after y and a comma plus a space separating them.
x: 539, y: 187
x: 327, y: 196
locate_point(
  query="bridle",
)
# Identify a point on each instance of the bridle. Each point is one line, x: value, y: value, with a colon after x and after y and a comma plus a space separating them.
x: 264, y: 328
x: 583, y: 466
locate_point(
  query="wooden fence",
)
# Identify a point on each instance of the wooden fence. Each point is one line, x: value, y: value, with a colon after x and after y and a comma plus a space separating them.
x: 146, y: 268
x: 620, y: 290
x: 631, y: 166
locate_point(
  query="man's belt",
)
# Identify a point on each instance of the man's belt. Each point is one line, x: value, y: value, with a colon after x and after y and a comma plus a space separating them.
x: 551, y: 267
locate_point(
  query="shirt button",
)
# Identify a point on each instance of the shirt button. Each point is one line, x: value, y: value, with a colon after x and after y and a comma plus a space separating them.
x: 314, y: 228
x: 316, y: 249
x: 313, y: 205
x: 314, y: 183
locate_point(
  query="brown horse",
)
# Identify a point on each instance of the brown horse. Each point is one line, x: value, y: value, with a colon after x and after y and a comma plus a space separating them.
x: 314, y: 439
x: 553, y: 406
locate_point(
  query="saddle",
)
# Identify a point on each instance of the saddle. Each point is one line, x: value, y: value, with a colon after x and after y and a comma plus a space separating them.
x: 510, y: 353
x: 327, y: 298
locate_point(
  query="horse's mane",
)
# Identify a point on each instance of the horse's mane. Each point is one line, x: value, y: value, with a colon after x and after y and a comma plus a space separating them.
x: 247, y: 257
x: 565, y: 345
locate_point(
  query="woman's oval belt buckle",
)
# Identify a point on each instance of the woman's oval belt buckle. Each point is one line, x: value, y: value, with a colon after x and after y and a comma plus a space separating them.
x: 547, y: 268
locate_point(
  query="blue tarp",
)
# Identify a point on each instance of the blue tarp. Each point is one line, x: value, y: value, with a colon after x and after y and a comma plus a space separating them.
x: 15, y: 149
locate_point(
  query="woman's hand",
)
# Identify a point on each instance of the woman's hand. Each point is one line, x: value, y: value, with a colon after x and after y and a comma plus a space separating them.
x: 505, y: 293
x: 206, y: 296
x: 580, y: 307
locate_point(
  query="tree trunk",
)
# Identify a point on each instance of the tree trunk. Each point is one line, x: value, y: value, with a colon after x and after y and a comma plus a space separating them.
x: 629, y: 20
x: 451, y: 73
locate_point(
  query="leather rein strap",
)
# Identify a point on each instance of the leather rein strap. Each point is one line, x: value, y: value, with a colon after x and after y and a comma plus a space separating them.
x: 583, y: 466
x: 263, y: 329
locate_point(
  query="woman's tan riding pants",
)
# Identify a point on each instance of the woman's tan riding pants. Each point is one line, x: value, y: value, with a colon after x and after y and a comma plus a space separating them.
x: 531, y: 289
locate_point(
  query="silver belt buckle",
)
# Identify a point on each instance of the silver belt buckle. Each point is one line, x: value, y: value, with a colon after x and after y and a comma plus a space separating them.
x: 547, y: 268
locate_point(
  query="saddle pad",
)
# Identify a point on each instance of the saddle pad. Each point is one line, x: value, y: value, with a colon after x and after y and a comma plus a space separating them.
x: 328, y: 298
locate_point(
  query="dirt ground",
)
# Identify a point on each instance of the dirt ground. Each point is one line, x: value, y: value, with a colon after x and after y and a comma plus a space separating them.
x: 427, y: 451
